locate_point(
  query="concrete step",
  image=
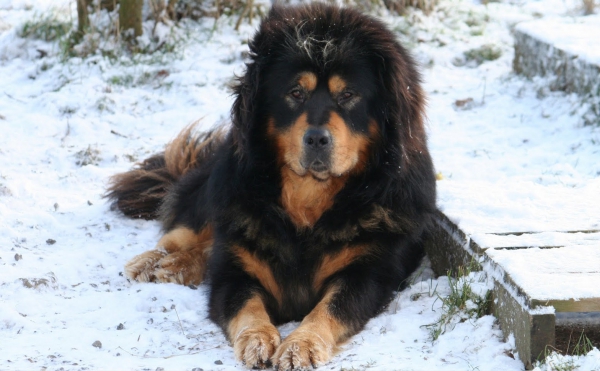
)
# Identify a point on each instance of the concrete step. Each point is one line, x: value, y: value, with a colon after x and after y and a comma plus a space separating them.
x: 539, y: 277
x: 567, y: 52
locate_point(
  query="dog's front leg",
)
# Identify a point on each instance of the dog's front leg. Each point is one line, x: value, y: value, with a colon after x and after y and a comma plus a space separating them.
x: 253, y: 336
x: 316, y: 339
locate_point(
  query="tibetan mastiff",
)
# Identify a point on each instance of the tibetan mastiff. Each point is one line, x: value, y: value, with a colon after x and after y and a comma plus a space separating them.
x: 313, y: 205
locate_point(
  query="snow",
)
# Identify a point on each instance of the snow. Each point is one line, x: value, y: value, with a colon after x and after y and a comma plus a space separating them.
x: 576, y: 36
x: 539, y: 239
x: 546, y: 274
x: 516, y: 158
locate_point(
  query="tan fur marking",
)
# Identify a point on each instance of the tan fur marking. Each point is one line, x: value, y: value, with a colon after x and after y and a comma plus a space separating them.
x: 315, y: 341
x: 350, y: 150
x: 336, y: 84
x: 289, y: 143
x: 141, y: 267
x: 182, y: 153
x: 260, y: 270
x: 335, y: 262
x: 180, y: 257
x: 253, y: 336
x: 308, y: 81
x: 305, y: 198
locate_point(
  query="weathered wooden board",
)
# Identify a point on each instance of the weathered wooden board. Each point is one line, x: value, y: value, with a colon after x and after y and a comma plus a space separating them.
x: 567, y: 276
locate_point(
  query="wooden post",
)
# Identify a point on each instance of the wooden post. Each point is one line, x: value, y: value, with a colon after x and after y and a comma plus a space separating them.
x: 130, y: 16
x: 109, y: 5
x: 171, y: 9
x: 82, y: 16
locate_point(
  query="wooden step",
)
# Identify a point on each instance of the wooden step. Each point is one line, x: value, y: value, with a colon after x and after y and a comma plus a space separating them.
x: 533, y: 280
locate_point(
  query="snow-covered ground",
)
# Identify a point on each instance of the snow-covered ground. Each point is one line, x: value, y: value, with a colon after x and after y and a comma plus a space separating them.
x: 511, y: 156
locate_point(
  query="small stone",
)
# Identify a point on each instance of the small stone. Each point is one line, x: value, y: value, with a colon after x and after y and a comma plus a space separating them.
x: 120, y: 327
x: 50, y: 241
x: 160, y: 369
x: 197, y: 369
x: 18, y: 257
x: 218, y: 362
x: 97, y: 344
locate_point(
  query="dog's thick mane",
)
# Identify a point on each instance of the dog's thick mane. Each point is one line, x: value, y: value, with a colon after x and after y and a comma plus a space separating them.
x: 399, y: 174
x: 400, y: 161
x: 343, y: 34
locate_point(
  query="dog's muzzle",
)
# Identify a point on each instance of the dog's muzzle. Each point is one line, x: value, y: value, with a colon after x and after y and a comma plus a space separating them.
x: 318, y: 144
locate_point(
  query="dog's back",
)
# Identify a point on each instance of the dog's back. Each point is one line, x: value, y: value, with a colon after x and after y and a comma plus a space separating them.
x: 139, y: 193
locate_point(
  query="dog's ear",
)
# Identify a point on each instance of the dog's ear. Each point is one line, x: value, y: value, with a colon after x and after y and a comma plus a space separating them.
x: 405, y: 99
x: 244, y: 107
x: 246, y: 90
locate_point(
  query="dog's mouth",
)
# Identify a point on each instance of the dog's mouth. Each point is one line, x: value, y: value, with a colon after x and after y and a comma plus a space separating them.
x: 317, y: 168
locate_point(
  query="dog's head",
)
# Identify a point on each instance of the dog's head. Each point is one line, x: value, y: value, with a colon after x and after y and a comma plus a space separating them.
x: 320, y: 121
x: 329, y: 87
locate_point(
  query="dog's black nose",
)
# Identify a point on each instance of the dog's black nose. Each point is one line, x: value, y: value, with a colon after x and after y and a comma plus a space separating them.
x: 317, y: 139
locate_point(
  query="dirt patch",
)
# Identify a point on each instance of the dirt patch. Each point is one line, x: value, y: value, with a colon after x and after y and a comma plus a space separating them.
x: 568, y: 337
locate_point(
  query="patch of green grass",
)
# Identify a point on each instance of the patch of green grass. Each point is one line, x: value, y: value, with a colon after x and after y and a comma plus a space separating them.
x: 154, y: 78
x: 484, y: 53
x: 583, y: 346
x: 558, y: 362
x: 102, y: 38
x: 121, y: 80
x: 47, y: 27
x: 460, y: 304
x: 88, y: 156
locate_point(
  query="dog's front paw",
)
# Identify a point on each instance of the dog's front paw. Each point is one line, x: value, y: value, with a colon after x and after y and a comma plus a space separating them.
x: 142, y: 267
x: 255, y: 346
x: 160, y: 266
x: 179, y: 267
x: 303, y: 350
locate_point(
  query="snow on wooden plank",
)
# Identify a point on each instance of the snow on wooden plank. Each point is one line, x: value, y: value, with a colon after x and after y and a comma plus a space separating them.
x: 552, y: 239
x: 557, y: 275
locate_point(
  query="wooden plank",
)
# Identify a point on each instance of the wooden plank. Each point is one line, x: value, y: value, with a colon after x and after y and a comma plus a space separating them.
x: 583, y: 305
x: 538, y: 232
x: 568, y: 277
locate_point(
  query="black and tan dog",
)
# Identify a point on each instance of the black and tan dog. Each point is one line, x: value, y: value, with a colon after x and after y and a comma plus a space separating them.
x: 313, y: 205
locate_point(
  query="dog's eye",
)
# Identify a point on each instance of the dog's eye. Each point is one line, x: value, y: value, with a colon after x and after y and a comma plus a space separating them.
x: 345, y: 96
x: 297, y: 94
